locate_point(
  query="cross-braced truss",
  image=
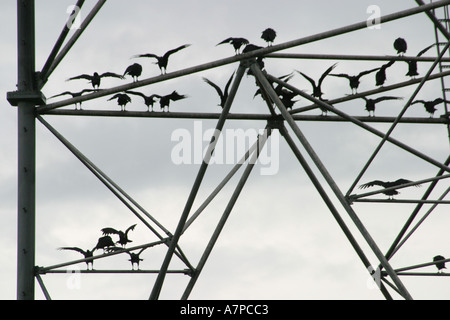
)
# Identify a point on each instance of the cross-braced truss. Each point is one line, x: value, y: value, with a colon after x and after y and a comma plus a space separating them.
x: 279, y: 118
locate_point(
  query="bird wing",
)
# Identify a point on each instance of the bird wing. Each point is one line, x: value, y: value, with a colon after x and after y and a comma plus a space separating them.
x: 387, y: 98
x: 215, y: 86
x: 107, y: 231
x: 404, y: 181
x: 168, y: 53
x: 73, y: 248
x: 174, y: 96
x: 418, y: 101
x: 61, y: 94
x: 81, y: 76
x: 111, y: 74
x: 146, y: 55
x: 425, y: 50
x: 438, y: 101
x: 227, y: 40
x: 373, y: 183
x: 311, y: 80
x: 130, y: 228
x: 327, y: 72
x: 136, y: 93
x: 367, y: 72
x: 341, y: 75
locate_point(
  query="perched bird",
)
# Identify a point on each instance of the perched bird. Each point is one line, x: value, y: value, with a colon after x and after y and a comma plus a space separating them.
x: 370, y: 103
x: 74, y: 95
x: 286, y: 97
x: 135, y: 258
x: 104, y: 243
x: 123, y: 236
x: 430, y: 105
x: 164, y: 101
x: 412, y: 64
x: 269, y: 36
x: 400, y: 45
x: 439, y: 265
x: 354, y: 81
x: 380, y: 76
x: 317, y: 88
x: 388, y: 184
x: 148, y: 100
x: 237, y: 43
x: 86, y: 253
x: 162, y: 61
x: 223, y: 95
x: 95, y: 79
x: 134, y: 70
x: 122, y: 100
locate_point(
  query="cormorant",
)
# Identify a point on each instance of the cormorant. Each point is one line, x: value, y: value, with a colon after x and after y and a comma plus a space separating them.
x: 286, y: 97
x: 223, y: 95
x: 412, y: 64
x: 87, y: 254
x: 95, y: 79
x: 104, y: 243
x: 400, y: 45
x: 237, y: 43
x: 148, y: 100
x: 439, y: 265
x: 122, y: 100
x: 380, y: 76
x: 387, y: 184
x: 134, y: 70
x: 317, y: 90
x: 162, y: 60
x: 123, y: 236
x: 430, y: 105
x: 164, y: 101
x: 269, y: 36
x: 370, y: 103
x: 74, y: 95
x: 354, y: 80
x: 135, y: 258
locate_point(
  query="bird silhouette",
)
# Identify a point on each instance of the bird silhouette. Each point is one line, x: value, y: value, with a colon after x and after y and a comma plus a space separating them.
x: 412, y: 64
x: 74, y: 95
x: 148, y: 100
x: 439, y: 265
x: 269, y: 36
x: 370, y: 103
x: 86, y: 253
x: 237, y: 43
x: 286, y: 97
x: 430, y: 106
x: 223, y: 95
x: 123, y: 236
x: 400, y: 45
x: 387, y: 184
x: 135, y: 258
x: 122, y: 100
x: 317, y: 88
x: 163, y: 60
x: 164, y: 101
x: 95, y: 79
x: 134, y: 70
x: 380, y: 76
x: 104, y: 243
x: 354, y: 80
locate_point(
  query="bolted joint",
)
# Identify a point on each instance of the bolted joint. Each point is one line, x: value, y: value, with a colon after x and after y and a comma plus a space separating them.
x: 34, y: 97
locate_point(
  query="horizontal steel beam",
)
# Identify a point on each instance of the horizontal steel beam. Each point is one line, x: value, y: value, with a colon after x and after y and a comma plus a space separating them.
x: 236, y: 116
x: 316, y: 56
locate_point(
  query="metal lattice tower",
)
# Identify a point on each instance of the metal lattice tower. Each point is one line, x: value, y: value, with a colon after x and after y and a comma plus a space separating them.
x: 32, y: 106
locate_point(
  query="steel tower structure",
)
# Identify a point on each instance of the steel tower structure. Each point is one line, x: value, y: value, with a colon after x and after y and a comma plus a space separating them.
x: 31, y: 105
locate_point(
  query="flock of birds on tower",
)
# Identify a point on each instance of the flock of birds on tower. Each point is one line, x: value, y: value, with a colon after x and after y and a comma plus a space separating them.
x: 242, y: 45
x: 107, y: 244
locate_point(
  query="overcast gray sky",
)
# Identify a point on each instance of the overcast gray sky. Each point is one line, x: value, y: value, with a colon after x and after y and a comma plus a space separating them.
x: 280, y: 242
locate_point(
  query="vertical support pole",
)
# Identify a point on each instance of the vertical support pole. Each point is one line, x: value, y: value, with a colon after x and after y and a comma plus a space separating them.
x: 26, y: 152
